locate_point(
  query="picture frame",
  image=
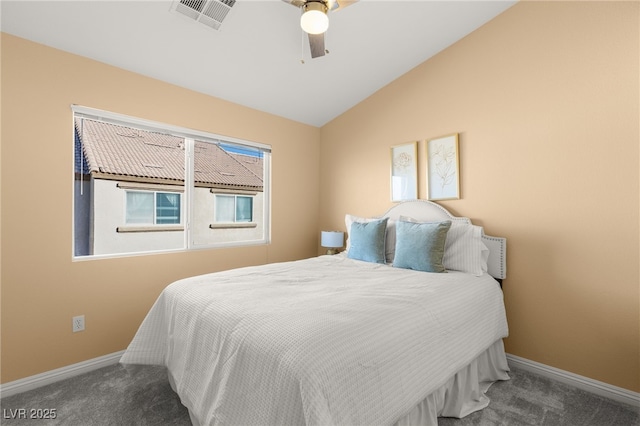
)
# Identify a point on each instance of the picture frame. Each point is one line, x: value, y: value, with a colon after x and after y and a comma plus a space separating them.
x: 404, y: 172
x: 443, y: 168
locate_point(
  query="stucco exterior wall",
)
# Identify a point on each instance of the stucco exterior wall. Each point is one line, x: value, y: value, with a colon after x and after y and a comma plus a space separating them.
x: 112, y: 235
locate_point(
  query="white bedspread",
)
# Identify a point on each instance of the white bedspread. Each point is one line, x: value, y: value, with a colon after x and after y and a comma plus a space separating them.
x: 322, y: 341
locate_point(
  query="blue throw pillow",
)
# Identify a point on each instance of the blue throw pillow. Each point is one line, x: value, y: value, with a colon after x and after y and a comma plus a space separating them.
x: 420, y: 246
x: 367, y: 241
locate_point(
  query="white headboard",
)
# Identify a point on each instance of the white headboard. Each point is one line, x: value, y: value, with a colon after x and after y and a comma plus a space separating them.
x: 427, y: 211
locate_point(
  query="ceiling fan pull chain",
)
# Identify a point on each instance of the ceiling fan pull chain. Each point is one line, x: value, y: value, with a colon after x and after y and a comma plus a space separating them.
x: 326, y: 51
x: 302, y: 33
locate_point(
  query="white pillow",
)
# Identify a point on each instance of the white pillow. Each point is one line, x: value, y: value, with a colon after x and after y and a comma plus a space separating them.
x: 463, y: 250
x: 390, y: 237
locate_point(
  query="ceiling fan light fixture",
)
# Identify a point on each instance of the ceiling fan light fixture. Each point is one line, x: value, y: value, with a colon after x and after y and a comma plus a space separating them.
x: 314, y: 18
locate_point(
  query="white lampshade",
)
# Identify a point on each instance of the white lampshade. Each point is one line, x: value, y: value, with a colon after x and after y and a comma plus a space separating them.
x: 332, y: 239
x: 314, y: 20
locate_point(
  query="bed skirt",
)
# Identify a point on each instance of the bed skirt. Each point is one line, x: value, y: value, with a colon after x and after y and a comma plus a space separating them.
x: 464, y: 393
x: 461, y: 395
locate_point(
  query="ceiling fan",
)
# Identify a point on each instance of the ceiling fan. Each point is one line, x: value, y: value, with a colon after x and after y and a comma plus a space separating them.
x: 314, y: 20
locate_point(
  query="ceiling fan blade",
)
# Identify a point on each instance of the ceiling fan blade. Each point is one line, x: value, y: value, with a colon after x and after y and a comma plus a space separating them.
x: 296, y: 3
x: 316, y: 44
x: 335, y: 5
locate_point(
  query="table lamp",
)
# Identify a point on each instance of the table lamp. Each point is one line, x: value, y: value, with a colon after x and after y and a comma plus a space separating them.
x: 332, y: 240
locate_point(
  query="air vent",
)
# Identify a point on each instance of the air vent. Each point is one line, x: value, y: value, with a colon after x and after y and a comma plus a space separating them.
x: 208, y: 12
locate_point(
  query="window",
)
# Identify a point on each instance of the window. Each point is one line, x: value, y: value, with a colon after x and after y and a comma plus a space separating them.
x: 234, y: 208
x: 167, y: 208
x: 142, y: 186
x: 152, y: 208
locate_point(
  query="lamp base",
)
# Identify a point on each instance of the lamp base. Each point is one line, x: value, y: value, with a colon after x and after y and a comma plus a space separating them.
x: 332, y: 251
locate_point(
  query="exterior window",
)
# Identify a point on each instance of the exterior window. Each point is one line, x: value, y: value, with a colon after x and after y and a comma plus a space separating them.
x: 234, y: 208
x: 167, y: 208
x: 152, y: 208
x: 142, y: 186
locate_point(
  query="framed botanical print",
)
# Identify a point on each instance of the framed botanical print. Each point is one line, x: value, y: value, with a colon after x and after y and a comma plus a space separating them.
x: 404, y: 172
x: 443, y: 168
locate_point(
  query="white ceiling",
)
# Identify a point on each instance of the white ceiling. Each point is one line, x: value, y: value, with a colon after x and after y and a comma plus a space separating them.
x: 254, y: 59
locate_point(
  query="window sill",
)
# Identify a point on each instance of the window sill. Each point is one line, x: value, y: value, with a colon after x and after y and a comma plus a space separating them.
x: 233, y: 225
x: 150, y: 228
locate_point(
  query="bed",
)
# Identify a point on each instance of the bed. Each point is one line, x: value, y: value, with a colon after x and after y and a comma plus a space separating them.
x: 376, y: 335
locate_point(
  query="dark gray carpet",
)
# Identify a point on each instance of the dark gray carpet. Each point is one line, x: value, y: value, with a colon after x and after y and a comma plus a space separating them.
x: 141, y: 395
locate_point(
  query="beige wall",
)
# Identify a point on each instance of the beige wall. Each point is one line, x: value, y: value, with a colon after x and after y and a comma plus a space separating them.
x: 42, y: 289
x: 546, y: 101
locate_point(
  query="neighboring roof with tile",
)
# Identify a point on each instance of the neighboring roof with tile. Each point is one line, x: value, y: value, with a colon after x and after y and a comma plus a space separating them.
x: 123, y: 152
x: 251, y: 162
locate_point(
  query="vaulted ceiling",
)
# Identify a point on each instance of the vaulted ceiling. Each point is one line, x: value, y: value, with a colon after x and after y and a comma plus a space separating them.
x: 254, y: 59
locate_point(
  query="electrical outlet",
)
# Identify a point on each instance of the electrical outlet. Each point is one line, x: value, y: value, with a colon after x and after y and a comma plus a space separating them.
x: 78, y: 323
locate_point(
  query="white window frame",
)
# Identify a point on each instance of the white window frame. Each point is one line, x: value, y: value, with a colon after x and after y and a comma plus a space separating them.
x: 187, y: 196
x: 235, y: 208
x: 155, y: 207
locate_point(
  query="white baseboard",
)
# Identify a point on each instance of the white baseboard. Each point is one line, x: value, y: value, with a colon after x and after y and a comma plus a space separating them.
x: 589, y: 385
x: 48, y: 377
